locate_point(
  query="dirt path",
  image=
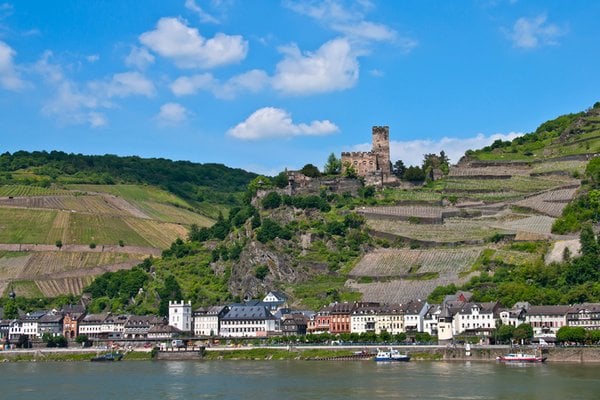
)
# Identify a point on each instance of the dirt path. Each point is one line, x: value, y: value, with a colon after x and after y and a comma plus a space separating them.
x: 81, y: 248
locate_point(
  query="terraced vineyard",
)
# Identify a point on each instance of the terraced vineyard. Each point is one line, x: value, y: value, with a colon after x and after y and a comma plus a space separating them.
x: 23, y: 190
x: 403, y: 262
x: 549, y: 203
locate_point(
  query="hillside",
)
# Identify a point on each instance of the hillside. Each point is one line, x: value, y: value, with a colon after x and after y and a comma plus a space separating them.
x: 489, y: 225
x: 59, y: 227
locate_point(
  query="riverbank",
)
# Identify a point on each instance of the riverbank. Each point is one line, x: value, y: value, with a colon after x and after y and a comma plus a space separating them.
x: 580, y: 355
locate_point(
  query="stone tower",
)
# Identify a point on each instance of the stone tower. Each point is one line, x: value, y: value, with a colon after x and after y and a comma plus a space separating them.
x: 381, y: 149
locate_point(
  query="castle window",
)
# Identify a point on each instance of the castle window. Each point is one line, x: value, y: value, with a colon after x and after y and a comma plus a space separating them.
x: 355, y: 162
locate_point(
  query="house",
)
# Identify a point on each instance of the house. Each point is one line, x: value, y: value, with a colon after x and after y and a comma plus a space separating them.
x: 207, y: 320
x: 30, y: 323
x: 477, y: 319
x: 92, y: 326
x: 159, y: 332
x: 294, y: 324
x: 414, y: 313
x: 113, y: 326
x: 72, y: 316
x: 514, y: 316
x: 586, y: 315
x: 247, y: 321
x: 431, y: 318
x: 138, y: 326
x: 546, y: 320
x: 320, y: 321
x: 275, y: 300
x: 390, y: 318
x: 51, y: 323
x: 180, y: 315
x: 364, y: 319
x: 340, y: 319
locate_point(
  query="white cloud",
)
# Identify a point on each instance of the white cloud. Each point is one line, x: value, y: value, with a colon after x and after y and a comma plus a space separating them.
x: 139, y: 57
x: 172, y: 114
x: 251, y: 81
x: 332, y: 67
x: 92, y: 58
x: 411, y: 151
x: 9, y: 76
x: 175, y: 40
x: 204, y: 16
x: 74, y: 103
x: 349, y: 18
x: 128, y: 84
x: 533, y: 32
x: 270, y: 122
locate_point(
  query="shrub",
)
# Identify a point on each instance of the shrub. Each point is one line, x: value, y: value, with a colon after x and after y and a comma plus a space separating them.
x: 261, y: 272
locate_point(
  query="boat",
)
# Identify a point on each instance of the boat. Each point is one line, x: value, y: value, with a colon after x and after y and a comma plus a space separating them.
x: 391, y: 355
x: 521, y: 358
x: 108, y: 357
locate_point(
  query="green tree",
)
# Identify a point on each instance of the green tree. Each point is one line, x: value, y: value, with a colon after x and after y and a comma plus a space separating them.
x: 333, y: 165
x: 11, y: 311
x: 281, y: 180
x: 59, y: 244
x: 414, y: 174
x: 271, y: 200
x: 504, y: 333
x: 261, y: 272
x: 311, y: 171
x: 398, y: 169
x: 350, y: 171
x: 523, y: 332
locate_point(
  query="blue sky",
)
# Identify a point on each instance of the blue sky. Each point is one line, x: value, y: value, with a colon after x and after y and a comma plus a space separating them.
x: 266, y: 84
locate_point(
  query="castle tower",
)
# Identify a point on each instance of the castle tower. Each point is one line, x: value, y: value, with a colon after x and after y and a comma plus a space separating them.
x: 180, y: 315
x: 381, y: 149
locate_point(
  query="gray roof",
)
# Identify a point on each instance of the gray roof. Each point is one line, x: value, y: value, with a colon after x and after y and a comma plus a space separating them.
x: 247, y: 313
x: 51, y: 318
x: 548, y: 310
x: 94, y: 318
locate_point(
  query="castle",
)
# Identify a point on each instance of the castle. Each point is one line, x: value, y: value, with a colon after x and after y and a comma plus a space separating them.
x: 372, y: 165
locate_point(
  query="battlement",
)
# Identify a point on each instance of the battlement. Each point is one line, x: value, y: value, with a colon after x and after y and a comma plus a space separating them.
x: 357, y: 154
x: 375, y: 162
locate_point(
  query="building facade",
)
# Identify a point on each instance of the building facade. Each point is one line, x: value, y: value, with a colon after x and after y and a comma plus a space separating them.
x: 374, y: 163
x: 180, y: 315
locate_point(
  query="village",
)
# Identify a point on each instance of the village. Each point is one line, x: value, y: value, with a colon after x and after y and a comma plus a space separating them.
x: 455, y: 320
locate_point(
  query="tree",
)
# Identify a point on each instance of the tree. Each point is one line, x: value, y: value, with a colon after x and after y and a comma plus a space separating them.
x: 333, y: 165
x: 59, y: 244
x: 11, y: 311
x: 504, y: 333
x: 311, y: 171
x: 350, y: 171
x: 261, y: 272
x: 281, y: 180
x: 523, y: 332
x: 82, y: 340
x: 271, y: 200
x: 398, y: 169
x: 414, y: 174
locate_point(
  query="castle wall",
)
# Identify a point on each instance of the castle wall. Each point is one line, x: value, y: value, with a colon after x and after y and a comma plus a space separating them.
x: 363, y: 162
x: 381, y: 148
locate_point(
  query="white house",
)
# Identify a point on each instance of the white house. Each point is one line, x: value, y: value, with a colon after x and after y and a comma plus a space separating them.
x: 414, y: 313
x: 479, y: 318
x: 180, y: 315
x: 430, y: 320
x: 586, y: 315
x: 92, y: 326
x: 546, y: 320
x: 247, y: 321
x: 207, y: 320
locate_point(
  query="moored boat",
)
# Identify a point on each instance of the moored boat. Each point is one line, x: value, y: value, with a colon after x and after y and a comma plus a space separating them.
x: 391, y: 355
x: 521, y: 358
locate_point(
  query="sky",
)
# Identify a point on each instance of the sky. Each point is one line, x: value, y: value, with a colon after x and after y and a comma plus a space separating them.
x: 266, y: 85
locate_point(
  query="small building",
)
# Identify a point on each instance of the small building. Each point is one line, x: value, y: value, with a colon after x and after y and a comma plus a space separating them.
x: 138, y: 326
x: 247, y: 321
x: 586, y: 315
x: 159, y: 332
x: 321, y: 321
x: 476, y: 319
x: 113, y: 326
x: 72, y: 316
x: 92, y: 326
x: 294, y: 324
x: 547, y: 320
x: 51, y: 323
x: 414, y: 314
x: 275, y: 301
x: 180, y: 315
x: 207, y: 320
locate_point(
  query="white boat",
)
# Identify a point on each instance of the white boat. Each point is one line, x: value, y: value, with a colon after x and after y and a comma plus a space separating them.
x: 391, y: 355
x: 521, y: 358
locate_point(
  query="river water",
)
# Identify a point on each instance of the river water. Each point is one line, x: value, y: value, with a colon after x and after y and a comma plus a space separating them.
x: 278, y: 380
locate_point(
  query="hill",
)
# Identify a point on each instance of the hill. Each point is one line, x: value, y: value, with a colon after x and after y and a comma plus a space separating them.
x: 66, y: 218
x: 488, y: 225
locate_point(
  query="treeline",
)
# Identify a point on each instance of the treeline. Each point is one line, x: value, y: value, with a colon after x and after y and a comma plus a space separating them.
x: 189, y: 180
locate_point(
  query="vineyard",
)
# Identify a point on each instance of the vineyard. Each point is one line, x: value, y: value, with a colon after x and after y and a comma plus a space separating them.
x: 429, y: 214
x: 56, y: 287
x: 454, y: 230
x: 25, y: 226
x: 158, y: 234
x: 520, y: 184
x: 549, y: 203
x: 401, y: 262
x: 22, y: 191
x: 537, y: 224
x: 401, y: 291
x: 484, y: 172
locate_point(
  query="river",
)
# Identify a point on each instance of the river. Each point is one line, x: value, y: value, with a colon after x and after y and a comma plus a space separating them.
x: 277, y: 380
